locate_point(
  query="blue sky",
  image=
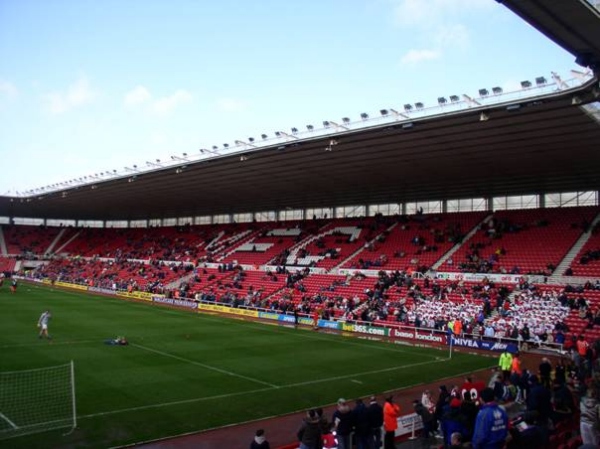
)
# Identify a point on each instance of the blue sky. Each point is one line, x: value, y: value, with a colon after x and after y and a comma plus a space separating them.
x: 88, y: 86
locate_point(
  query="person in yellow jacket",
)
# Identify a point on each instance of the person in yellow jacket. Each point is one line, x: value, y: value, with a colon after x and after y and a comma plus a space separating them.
x: 505, y: 364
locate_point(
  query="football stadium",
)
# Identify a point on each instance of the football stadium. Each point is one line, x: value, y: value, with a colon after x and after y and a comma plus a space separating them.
x: 230, y: 296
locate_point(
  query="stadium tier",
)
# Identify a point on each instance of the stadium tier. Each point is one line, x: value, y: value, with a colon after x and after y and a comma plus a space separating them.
x: 530, y: 241
x: 334, y: 265
x: 587, y: 261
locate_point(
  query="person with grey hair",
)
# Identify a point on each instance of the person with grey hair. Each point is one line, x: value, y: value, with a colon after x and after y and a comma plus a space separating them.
x: 590, y: 418
x: 456, y: 441
x: 343, y: 420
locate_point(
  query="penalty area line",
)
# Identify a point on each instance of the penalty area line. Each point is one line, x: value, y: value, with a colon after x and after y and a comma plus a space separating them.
x: 209, y: 367
x: 260, y: 390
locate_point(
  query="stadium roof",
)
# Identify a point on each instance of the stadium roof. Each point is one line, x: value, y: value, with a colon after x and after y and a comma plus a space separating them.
x: 543, y: 144
x: 535, y: 145
x: 572, y: 24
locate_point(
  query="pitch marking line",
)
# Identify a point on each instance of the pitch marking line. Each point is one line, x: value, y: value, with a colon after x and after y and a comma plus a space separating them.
x: 5, y: 418
x: 260, y: 390
x: 209, y: 367
x: 341, y: 342
x: 72, y: 342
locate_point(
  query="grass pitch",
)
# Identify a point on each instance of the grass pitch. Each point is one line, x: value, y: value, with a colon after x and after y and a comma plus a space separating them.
x: 185, y: 371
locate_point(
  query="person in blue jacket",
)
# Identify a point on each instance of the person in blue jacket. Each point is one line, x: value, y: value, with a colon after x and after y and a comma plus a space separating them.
x: 491, y: 424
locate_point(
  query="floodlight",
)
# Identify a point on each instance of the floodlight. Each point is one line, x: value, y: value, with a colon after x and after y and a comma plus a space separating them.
x: 243, y: 158
x: 294, y: 130
x: 384, y: 112
x: 513, y: 107
x: 225, y: 145
x: 419, y: 105
x: 326, y: 124
x: 250, y: 139
x: 409, y: 125
x: 264, y: 136
x: 408, y: 107
x: 310, y: 127
x: 575, y: 100
x: 442, y: 101
x: 497, y: 90
x: 454, y: 98
x: 483, y: 92
x: 483, y: 117
x: 525, y: 84
x: 364, y: 115
x: 346, y: 120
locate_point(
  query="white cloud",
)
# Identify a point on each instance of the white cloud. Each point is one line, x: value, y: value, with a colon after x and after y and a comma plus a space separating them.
x: 158, y: 138
x: 230, y: 105
x: 166, y: 105
x: 77, y: 94
x: 438, y: 23
x: 432, y: 13
x: 415, y: 56
x: 141, y: 96
x: 455, y: 36
x: 138, y: 95
x: 8, y: 89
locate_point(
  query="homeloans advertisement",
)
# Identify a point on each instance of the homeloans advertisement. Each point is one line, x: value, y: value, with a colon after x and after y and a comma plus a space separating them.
x: 175, y: 302
x: 69, y: 285
x: 136, y: 295
x: 230, y: 310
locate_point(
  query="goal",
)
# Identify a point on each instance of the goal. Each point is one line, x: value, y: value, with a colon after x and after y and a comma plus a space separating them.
x: 37, y: 400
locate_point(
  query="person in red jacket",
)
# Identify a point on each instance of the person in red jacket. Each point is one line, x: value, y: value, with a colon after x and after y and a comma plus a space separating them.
x: 391, y: 413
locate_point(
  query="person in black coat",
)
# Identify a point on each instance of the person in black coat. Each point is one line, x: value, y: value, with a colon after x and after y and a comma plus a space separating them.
x: 426, y: 416
x: 375, y: 416
x: 362, y: 428
x: 260, y: 441
x: 309, y: 433
x: 539, y: 400
x: 442, y: 402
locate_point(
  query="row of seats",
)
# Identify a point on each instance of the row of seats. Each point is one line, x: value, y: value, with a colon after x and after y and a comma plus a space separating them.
x: 526, y: 241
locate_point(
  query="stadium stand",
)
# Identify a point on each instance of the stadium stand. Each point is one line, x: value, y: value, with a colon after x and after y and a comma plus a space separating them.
x: 529, y: 241
x: 177, y: 261
x: 587, y: 261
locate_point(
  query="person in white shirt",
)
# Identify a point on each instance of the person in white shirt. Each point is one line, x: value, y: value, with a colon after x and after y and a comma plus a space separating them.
x: 43, y: 324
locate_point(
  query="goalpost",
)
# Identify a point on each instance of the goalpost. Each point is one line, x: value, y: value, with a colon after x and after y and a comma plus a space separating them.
x: 37, y: 400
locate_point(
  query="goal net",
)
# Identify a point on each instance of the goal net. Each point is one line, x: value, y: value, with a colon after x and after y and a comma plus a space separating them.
x: 37, y: 400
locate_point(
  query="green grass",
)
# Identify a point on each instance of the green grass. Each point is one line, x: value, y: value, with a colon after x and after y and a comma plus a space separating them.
x: 186, y: 372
